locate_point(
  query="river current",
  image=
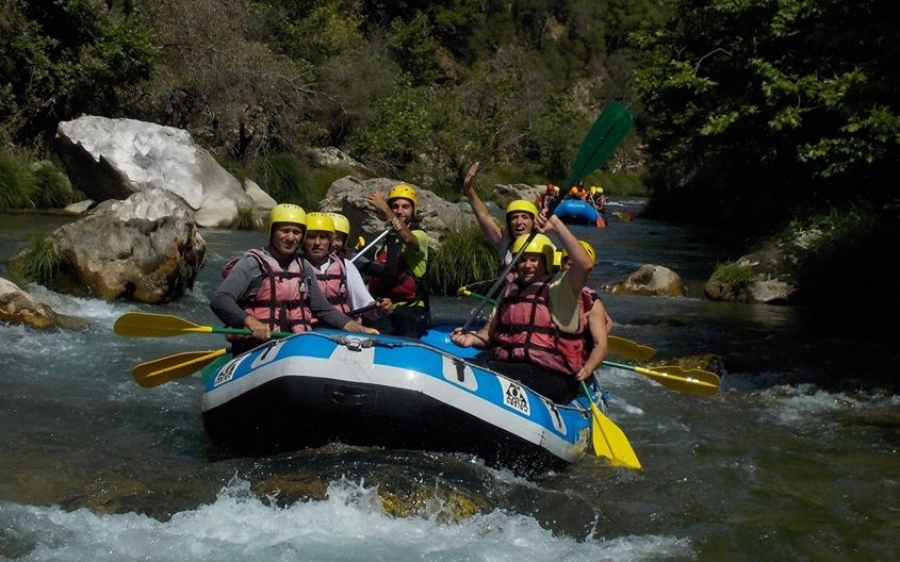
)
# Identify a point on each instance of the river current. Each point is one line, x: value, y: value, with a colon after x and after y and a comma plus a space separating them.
x: 782, y: 464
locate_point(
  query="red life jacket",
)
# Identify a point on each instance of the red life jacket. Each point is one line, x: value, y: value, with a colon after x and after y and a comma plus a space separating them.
x: 526, y: 332
x: 403, y: 287
x: 282, y: 300
x: 334, y: 284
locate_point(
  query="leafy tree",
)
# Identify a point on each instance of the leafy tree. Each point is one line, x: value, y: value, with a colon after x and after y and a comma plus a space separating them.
x: 753, y: 102
x: 62, y: 58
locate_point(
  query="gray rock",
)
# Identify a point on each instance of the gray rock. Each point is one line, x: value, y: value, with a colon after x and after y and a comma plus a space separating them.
x: 114, y: 158
x: 146, y: 248
x: 651, y: 280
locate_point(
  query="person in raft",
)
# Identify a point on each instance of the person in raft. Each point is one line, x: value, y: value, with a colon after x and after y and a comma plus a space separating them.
x: 536, y: 331
x: 273, y: 289
x: 521, y: 216
x: 400, y: 263
x: 338, y: 278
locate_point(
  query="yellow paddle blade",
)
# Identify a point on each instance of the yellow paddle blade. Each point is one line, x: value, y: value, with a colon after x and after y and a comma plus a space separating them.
x: 692, y: 381
x: 609, y: 441
x: 165, y: 369
x: 143, y: 324
x: 630, y: 349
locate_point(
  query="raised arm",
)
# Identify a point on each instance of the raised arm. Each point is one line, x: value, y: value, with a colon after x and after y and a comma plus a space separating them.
x: 376, y: 198
x: 486, y: 222
x: 577, y: 274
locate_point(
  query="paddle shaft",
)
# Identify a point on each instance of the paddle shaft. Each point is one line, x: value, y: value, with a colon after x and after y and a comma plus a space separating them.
x: 371, y: 244
x: 143, y: 324
x: 246, y: 332
x: 499, y: 281
x: 690, y: 381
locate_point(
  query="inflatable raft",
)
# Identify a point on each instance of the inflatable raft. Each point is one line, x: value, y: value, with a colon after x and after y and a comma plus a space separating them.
x: 326, y: 386
x: 576, y: 211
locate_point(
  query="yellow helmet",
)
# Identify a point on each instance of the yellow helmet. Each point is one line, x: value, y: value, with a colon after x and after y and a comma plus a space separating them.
x: 587, y: 248
x: 319, y: 221
x: 540, y: 244
x: 557, y: 260
x: 555, y: 189
x: 341, y: 224
x: 522, y: 206
x: 286, y: 212
x: 403, y: 191
x: 594, y: 189
x: 599, y: 190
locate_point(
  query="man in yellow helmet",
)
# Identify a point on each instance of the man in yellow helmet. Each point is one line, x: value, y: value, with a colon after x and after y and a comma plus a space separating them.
x: 536, y: 331
x: 273, y: 289
x: 341, y: 235
x: 398, y: 269
x: 338, y: 278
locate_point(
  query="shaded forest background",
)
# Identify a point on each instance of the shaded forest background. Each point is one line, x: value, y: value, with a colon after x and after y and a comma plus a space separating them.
x: 751, y: 115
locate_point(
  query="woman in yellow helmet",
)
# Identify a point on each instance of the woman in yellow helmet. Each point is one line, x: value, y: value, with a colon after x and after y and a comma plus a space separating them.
x: 521, y: 216
x: 269, y: 290
x: 598, y: 321
x: 536, y: 333
x: 398, y: 270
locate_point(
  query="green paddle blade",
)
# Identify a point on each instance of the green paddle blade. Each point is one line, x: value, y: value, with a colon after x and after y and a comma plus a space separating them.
x: 609, y: 130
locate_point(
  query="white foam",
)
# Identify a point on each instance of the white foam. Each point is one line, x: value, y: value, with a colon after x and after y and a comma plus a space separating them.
x: 350, y: 525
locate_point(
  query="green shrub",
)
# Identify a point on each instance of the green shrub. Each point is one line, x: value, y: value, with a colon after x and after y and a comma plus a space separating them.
x: 15, y: 182
x: 51, y: 187
x: 736, y: 274
x: 464, y: 258
x: 248, y: 219
x: 39, y: 263
x: 288, y: 179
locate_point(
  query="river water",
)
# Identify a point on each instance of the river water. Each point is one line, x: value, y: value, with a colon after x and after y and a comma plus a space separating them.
x: 783, y: 464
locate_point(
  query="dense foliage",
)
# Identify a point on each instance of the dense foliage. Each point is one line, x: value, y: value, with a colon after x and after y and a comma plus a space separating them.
x: 416, y: 90
x: 756, y: 111
x: 747, y: 112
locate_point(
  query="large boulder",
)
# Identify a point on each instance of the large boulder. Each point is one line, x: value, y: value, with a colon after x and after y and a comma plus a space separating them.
x: 18, y: 307
x: 114, y: 158
x: 146, y: 248
x: 651, y: 280
x: 767, y: 275
x: 349, y: 196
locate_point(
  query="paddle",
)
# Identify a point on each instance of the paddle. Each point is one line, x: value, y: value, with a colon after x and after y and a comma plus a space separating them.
x: 371, y: 244
x: 609, y: 441
x: 626, y: 216
x: 691, y: 381
x: 165, y: 369
x: 620, y: 346
x: 608, y: 131
x: 145, y: 324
